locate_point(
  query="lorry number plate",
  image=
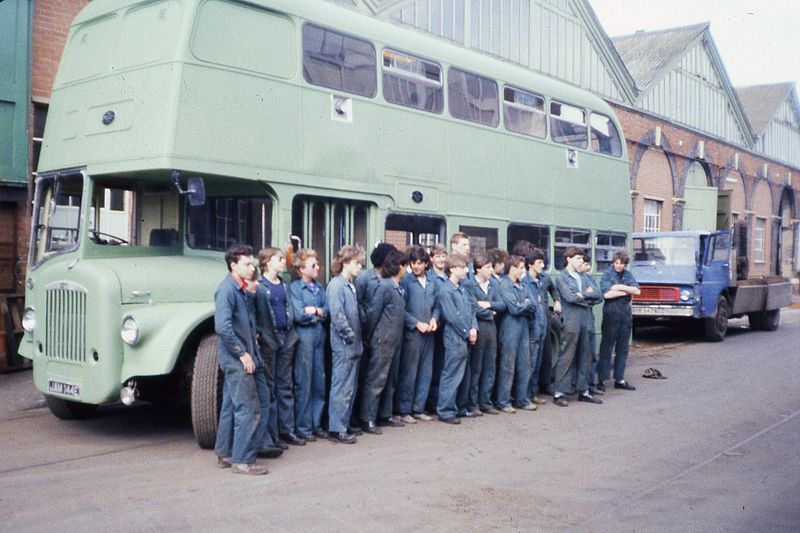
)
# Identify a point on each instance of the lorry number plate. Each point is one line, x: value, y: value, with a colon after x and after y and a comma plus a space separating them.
x: 59, y: 387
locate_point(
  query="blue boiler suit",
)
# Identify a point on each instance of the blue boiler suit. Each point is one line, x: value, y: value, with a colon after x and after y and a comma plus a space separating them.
x: 346, y: 349
x: 387, y: 315
x: 416, y: 361
x: 244, y: 416
x: 537, y: 329
x: 459, y: 319
x: 309, y: 357
x: 616, y: 327
x: 515, y: 358
x: 475, y: 391
x: 577, y: 321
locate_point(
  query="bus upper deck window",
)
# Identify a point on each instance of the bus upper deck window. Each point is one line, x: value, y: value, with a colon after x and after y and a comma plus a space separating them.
x: 338, y: 61
x: 473, y: 97
x: 605, y: 138
x: 412, y: 82
x: 568, y: 125
x: 524, y: 112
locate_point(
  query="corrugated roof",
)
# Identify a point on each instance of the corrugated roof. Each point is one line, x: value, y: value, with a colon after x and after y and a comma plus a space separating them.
x: 761, y: 102
x: 646, y: 54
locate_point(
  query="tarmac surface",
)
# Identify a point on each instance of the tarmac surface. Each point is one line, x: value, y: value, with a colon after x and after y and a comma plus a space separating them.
x: 714, y: 447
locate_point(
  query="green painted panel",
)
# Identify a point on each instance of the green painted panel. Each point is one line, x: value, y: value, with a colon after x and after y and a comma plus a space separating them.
x: 15, y: 51
x: 700, y: 211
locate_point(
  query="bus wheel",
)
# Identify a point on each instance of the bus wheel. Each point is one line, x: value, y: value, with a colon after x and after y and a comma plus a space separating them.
x: 770, y: 320
x: 206, y: 395
x: 69, y: 410
x: 717, y: 326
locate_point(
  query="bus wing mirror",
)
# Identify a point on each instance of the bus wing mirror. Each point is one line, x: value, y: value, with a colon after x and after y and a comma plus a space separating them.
x: 197, y: 191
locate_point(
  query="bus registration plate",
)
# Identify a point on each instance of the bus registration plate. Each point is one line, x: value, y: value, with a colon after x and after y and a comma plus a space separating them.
x: 65, y: 389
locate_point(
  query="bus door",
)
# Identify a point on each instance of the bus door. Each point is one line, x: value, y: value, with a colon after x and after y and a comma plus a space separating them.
x: 327, y: 224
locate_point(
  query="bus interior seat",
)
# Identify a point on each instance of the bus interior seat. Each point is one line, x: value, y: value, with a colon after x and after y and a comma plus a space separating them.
x: 163, y: 237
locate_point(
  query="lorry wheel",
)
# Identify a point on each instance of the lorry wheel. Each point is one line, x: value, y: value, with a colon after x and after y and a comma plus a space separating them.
x: 716, y: 326
x: 206, y: 395
x: 755, y: 321
x: 69, y: 410
x: 770, y: 320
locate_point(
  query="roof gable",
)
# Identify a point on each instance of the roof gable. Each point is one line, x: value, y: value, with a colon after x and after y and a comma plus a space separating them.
x: 647, y: 54
x: 761, y: 103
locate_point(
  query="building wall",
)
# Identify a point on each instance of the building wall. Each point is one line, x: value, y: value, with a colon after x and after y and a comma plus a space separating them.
x: 659, y: 172
x: 51, y: 21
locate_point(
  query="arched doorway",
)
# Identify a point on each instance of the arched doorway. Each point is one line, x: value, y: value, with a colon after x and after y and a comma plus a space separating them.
x: 784, y: 255
x: 700, y: 209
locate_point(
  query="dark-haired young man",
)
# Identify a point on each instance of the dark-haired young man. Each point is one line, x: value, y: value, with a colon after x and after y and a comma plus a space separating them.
x: 421, y: 324
x: 387, y: 316
x: 245, y: 407
x: 537, y: 325
x: 577, y: 296
x: 618, y: 285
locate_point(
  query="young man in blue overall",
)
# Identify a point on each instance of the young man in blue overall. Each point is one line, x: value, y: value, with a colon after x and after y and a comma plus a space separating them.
x: 346, y: 342
x: 243, y: 423
x: 618, y: 285
x: 278, y: 339
x: 310, y: 312
x: 537, y: 326
x: 514, y: 372
x: 387, y: 316
x: 577, y: 297
x: 460, y: 330
x: 421, y: 324
x: 475, y: 392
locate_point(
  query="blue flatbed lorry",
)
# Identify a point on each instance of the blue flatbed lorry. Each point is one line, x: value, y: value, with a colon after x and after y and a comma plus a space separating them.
x: 702, y: 277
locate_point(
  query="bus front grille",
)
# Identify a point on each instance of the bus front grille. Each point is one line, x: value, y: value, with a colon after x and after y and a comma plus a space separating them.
x: 65, y: 324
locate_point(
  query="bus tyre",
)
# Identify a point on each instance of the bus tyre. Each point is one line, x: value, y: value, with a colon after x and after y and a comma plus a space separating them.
x: 717, y: 326
x: 206, y: 395
x: 69, y: 410
x: 770, y: 320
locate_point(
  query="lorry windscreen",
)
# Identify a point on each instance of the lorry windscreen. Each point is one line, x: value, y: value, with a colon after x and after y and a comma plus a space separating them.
x: 671, y: 251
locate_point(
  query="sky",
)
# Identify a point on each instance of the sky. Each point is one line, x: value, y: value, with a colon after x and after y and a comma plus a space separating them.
x: 758, y: 40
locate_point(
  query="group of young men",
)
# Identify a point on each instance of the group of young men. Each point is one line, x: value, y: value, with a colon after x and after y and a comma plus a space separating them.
x: 421, y: 332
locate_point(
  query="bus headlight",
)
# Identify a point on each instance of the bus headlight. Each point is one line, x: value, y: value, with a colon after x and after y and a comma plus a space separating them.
x: 29, y: 320
x: 129, y: 331
x: 686, y: 295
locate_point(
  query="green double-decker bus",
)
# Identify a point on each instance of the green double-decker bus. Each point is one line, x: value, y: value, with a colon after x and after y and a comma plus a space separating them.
x: 177, y: 128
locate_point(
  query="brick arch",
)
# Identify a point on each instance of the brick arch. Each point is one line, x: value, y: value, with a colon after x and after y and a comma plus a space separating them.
x: 647, y: 142
x: 739, y: 191
x: 653, y: 180
x: 761, y: 206
x: 691, y: 159
x: 788, y: 194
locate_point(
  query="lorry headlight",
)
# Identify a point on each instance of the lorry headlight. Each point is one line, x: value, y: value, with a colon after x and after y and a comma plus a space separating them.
x: 129, y: 331
x: 29, y: 320
x: 686, y: 295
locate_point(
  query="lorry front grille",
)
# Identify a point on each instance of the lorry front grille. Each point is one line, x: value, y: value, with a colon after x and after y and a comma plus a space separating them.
x: 657, y: 293
x: 65, y: 324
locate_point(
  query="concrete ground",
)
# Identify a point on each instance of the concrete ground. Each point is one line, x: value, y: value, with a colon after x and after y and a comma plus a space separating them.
x: 712, y: 448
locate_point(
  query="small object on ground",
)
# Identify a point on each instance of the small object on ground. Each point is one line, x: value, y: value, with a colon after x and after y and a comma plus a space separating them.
x: 653, y: 373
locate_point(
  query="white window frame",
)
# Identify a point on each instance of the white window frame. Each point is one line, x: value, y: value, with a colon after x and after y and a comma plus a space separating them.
x: 652, y: 221
x: 759, y: 231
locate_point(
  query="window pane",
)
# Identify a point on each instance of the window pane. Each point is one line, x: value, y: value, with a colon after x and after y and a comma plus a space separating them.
x: 568, y: 124
x: 524, y: 112
x: 566, y: 237
x: 339, y: 62
x: 721, y: 246
x: 521, y: 237
x: 222, y: 222
x: 480, y: 239
x: 57, y: 214
x: 473, y: 98
x: 605, y: 138
x: 412, y: 82
x: 319, y: 235
x: 652, y: 215
x: 605, y: 246
x: 407, y: 230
